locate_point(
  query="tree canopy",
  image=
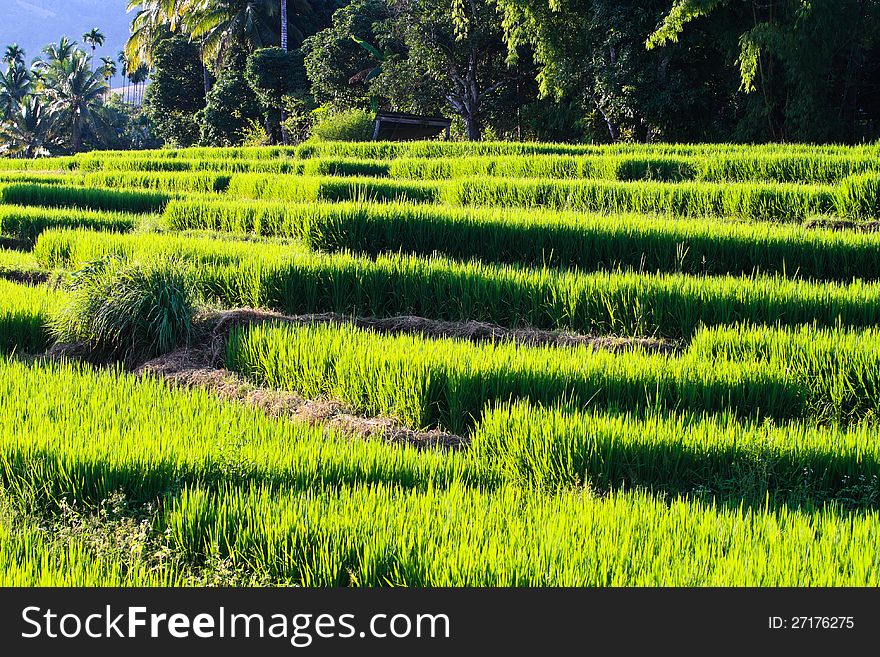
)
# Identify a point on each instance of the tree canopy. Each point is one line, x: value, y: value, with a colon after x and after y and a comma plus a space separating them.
x: 569, y: 70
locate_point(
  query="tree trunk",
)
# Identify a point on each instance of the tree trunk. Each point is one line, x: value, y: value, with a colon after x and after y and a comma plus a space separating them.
x: 284, y: 25
x: 76, y: 135
x: 285, y: 137
x: 474, y: 131
x: 206, y: 78
x: 471, y: 100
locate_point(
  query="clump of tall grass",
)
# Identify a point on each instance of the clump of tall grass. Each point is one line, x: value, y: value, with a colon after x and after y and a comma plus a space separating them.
x: 129, y: 310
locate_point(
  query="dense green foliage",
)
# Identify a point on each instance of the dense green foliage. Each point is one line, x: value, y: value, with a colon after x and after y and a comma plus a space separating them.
x: 176, y: 92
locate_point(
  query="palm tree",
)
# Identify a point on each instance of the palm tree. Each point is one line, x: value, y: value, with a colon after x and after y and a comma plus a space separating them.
x: 14, y: 55
x: 94, y: 38
x: 75, y: 91
x: 284, y: 25
x: 58, y: 52
x: 153, y: 20
x: 15, y: 85
x: 123, y: 62
x: 30, y: 128
x: 222, y: 24
x: 138, y: 77
x: 108, y: 66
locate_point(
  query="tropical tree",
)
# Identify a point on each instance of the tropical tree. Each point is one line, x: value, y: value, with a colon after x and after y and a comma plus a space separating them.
x: 343, y: 59
x: 15, y: 85
x: 57, y: 52
x: 285, y: 46
x: 94, y: 38
x: 176, y: 94
x: 224, y: 24
x: 29, y: 129
x: 74, y: 92
x: 138, y: 77
x: 13, y: 55
x: 154, y: 20
x: 123, y: 60
x: 807, y: 70
x: 458, y: 46
x: 109, y: 68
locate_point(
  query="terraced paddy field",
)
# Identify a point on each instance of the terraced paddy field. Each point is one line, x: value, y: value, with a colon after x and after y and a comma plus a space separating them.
x: 441, y: 364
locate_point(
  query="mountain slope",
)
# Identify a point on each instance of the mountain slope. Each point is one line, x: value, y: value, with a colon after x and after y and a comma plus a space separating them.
x: 34, y: 23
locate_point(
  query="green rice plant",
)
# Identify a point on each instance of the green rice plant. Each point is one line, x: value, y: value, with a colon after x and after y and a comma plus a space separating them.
x: 136, y: 165
x: 604, y: 303
x: 539, y: 237
x: 310, y: 508
x: 736, y: 167
x: 31, y: 557
x: 809, y: 168
x: 27, y: 223
x: 131, y: 311
x: 287, y: 188
x: 608, y: 167
x: 752, y: 201
x: 100, y: 162
x: 384, y: 536
x: 24, y: 317
x: 859, y: 196
x: 439, y: 149
x: 840, y: 369
x: 40, y: 164
x: 39, y: 178
x: 106, y: 200
x: 72, y: 249
x: 562, y: 447
x: 345, y: 167
x: 14, y: 260
x: 172, y: 182
x: 116, y: 433
x: 428, y: 383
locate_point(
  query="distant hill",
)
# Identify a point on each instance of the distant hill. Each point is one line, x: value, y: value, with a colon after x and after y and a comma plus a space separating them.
x: 34, y: 23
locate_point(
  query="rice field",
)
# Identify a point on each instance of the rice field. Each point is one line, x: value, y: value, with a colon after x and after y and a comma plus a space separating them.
x: 441, y: 364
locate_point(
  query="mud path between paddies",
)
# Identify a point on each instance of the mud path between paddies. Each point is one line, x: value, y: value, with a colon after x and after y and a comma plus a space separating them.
x: 200, y: 366
x: 221, y: 323
x: 190, y: 368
